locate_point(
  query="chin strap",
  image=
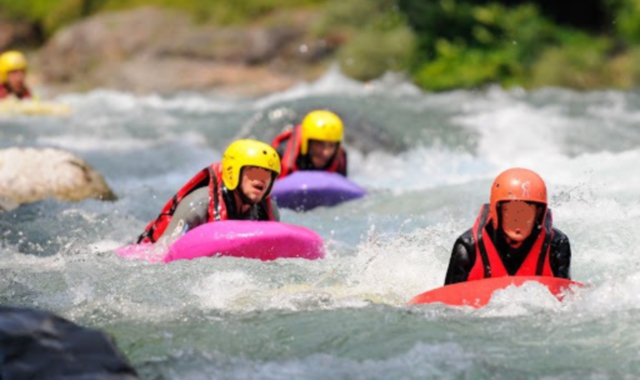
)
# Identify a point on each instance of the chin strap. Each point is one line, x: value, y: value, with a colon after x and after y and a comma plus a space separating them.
x: 245, y: 200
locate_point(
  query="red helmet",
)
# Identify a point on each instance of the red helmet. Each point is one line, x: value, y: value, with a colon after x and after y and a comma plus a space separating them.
x: 516, y: 184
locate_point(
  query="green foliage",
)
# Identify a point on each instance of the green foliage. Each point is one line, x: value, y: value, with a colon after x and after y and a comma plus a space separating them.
x: 625, y: 69
x: 461, y: 67
x: 354, y: 15
x: 626, y: 16
x: 217, y: 11
x: 468, y: 45
x: 49, y: 14
x: 443, y: 44
x: 369, y: 55
x: 583, y: 64
x: 376, y: 34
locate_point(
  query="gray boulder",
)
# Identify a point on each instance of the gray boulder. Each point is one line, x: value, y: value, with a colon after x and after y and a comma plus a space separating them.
x: 30, y: 175
x: 157, y: 50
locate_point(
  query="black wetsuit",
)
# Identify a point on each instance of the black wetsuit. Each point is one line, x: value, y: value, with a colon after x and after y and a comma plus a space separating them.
x: 303, y: 162
x: 463, y: 255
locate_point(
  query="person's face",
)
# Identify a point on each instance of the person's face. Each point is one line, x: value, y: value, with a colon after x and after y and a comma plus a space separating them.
x: 15, y: 79
x: 321, y: 152
x: 255, y: 183
x: 517, y: 219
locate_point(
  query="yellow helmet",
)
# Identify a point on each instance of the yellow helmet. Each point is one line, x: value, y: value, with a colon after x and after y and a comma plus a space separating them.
x: 243, y: 153
x: 320, y: 125
x: 10, y: 61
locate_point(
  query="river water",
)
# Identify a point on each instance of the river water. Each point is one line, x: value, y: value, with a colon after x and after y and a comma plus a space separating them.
x: 427, y: 160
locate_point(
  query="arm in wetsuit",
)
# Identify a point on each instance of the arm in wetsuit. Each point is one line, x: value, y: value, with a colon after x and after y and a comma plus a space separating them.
x: 560, y: 255
x: 192, y: 211
x: 463, y: 257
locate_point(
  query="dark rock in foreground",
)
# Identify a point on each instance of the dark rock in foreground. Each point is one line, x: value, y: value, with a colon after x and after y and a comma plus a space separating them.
x: 40, y: 345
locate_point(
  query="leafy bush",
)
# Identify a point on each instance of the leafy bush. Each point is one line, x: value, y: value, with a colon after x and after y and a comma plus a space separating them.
x: 626, y: 14
x: 369, y: 55
x: 48, y: 14
x: 443, y: 44
x: 374, y: 35
x: 468, y: 45
x: 580, y: 65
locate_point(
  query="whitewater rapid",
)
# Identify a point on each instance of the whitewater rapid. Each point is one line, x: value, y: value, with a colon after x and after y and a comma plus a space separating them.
x: 427, y: 160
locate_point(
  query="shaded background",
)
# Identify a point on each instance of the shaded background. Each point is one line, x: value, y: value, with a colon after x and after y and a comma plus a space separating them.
x: 439, y: 45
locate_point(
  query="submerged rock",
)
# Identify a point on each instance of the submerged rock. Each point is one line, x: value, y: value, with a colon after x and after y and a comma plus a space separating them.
x: 40, y: 345
x: 30, y: 175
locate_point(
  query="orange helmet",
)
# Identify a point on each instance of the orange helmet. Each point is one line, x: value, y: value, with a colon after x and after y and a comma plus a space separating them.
x: 516, y: 184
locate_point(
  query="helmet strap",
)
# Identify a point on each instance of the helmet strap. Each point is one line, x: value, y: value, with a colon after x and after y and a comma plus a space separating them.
x: 245, y: 200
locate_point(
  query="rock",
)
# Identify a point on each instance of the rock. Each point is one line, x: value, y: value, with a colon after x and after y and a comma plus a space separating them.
x: 40, y: 345
x: 17, y: 33
x: 173, y: 74
x: 7, y: 204
x: 29, y: 175
x: 107, y: 38
x: 154, y: 50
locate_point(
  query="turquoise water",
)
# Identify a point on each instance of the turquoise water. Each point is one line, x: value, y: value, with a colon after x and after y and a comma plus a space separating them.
x: 427, y: 160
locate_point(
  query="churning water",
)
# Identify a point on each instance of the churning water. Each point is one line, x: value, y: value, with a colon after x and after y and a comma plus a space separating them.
x: 427, y: 161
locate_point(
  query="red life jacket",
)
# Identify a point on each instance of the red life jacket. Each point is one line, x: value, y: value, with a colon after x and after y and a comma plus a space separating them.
x: 488, y: 262
x: 210, y: 176
x: 292, y: 153
x: 5, y: 92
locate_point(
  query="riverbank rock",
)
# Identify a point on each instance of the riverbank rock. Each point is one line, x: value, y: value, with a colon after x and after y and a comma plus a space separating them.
x: 30, y: 175
x: 18, y: 33
x: 7, y: 204
x: 156, y: 50
x: 40, y: 345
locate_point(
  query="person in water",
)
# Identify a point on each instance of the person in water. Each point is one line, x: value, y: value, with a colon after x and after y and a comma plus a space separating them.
x: 513, y: 234
x: 315, y: 144
x: 13, y: 75
x: 237, y: 188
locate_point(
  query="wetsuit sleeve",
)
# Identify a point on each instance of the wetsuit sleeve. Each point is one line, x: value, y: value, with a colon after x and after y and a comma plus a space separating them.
x: 191, y: 212
x: 281, y: 148
x: 560, y: 255
x: 275, y: 210
x: 344, y: 173
x: 463, y: 256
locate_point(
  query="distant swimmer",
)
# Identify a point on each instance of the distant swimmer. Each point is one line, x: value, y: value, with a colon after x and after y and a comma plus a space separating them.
x: 315, y: 144
x: 513, y: 234
x: 237, y: 188
x: 13, y: 75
